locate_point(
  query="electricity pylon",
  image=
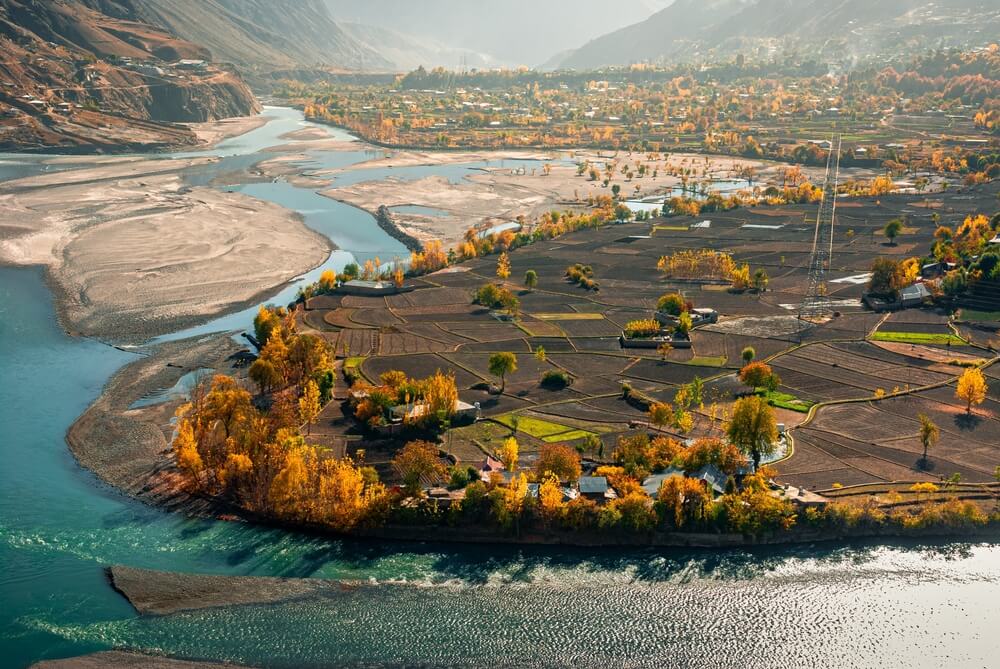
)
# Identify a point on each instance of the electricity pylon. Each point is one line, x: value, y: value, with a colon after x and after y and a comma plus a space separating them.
x: 817, y: 303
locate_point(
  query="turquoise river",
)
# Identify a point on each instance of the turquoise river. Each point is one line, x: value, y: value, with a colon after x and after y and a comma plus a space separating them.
x: 902, y: 605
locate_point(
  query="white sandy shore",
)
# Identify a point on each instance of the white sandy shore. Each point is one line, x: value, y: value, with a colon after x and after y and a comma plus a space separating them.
x: 501, y: 193
x: 133, y: 252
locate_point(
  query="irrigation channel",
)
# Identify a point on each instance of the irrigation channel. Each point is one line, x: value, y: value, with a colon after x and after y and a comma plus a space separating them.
x: 914, y: 605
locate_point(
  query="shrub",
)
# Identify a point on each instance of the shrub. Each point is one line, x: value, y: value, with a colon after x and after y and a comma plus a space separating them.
x: 555, y: 379
x: 642, y: 328
x: 673, y: 304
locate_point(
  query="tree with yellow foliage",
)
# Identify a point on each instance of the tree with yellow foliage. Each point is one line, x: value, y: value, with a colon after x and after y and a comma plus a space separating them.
x: 558, y: 460
x: 661, y: 414
x: 418, y: 460
x: 753, y: 428
x: 508, y: 502
x: 309, y: 405
x: 550, y: 500
x: 503, y: 266
x: 327, y: 281
x: 186, y: 450
x: 971, y: 388
x: 289, y: 490
x: 440, y: 394
x: 507, y: 453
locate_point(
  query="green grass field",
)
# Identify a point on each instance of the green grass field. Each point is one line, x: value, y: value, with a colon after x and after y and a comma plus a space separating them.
x: 545, y: 430
x: 708, y: 361
x: 569, y: 316
x: 786, y: 401
x: 980, y: 316
x: 918, y: 338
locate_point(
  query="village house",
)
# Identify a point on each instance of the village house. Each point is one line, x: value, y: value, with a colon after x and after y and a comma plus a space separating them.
x: 596, y: 489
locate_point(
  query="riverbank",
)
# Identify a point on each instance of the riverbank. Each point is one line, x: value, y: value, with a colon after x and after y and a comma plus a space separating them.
x: 129, y: 448
x: 114, y: 659
x: 134, y: 252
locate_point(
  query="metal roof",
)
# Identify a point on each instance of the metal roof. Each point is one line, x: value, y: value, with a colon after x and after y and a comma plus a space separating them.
x: 593, y: 485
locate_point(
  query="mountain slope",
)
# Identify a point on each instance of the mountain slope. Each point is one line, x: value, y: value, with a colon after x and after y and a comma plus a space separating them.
x: 261, y: 34
x: 75, y: 78
x: 829, y: 29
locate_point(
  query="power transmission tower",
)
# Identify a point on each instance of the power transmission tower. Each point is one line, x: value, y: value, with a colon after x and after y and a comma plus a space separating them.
x: 817, y: 303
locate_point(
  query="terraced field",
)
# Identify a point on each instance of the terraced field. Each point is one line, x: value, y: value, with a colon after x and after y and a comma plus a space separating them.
x: 851, y: 358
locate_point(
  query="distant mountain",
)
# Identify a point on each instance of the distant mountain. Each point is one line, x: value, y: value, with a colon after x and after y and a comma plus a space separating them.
x: 77, y: 78
x: 828, y: 29
x: 407, y: 52
x: 513, y: 32
x: 260, y: 35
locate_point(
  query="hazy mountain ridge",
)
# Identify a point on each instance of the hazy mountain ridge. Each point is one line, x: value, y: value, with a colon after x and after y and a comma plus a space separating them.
x: 692, y: 29
x: 517, y: 32
x: 407, y: 52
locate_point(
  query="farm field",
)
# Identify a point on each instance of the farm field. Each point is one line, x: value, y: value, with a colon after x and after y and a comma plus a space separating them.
x: 911, y: 357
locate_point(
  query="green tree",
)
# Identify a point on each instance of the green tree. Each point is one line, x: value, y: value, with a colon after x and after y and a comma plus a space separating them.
x: 753, y: 429
x: 760, y: 280
x: 530, y: 279
x: 748, y: 355
x: 684, y: 323
x: 893, y: 229
x: 929, y: 434
x: 502, y: 364
x: 671, y: 303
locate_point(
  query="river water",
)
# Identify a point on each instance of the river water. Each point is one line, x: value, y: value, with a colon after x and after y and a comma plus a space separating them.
x: 907, y: 605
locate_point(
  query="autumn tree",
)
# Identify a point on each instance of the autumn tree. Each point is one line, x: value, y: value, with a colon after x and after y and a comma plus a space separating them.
x: 684, y: 324
x: 559, y: 460
x: 503, y: 266
x: 756, y: 374
x: 186, y: 449
x: 971, y: 388
x: 507, y: 453
x: 290, y: 489
x: 502, y: 364
x: 712, y: 451
x: 440, y: 394
x: 753, y: 429
x: 540, y: 353
x: 418, y: 460
x: 550, y: 500
x: 929, y: 434
x: 508, y: 502
x: 264, y: 374
x: 887, y: 278
x: 530, y: 279
x: 309, y: 405
x: 671, y: 303
x: 661, y: 414
x: 683, y: 501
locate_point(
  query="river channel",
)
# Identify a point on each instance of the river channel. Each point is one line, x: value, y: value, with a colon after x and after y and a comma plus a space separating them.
x: 903, y: 605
